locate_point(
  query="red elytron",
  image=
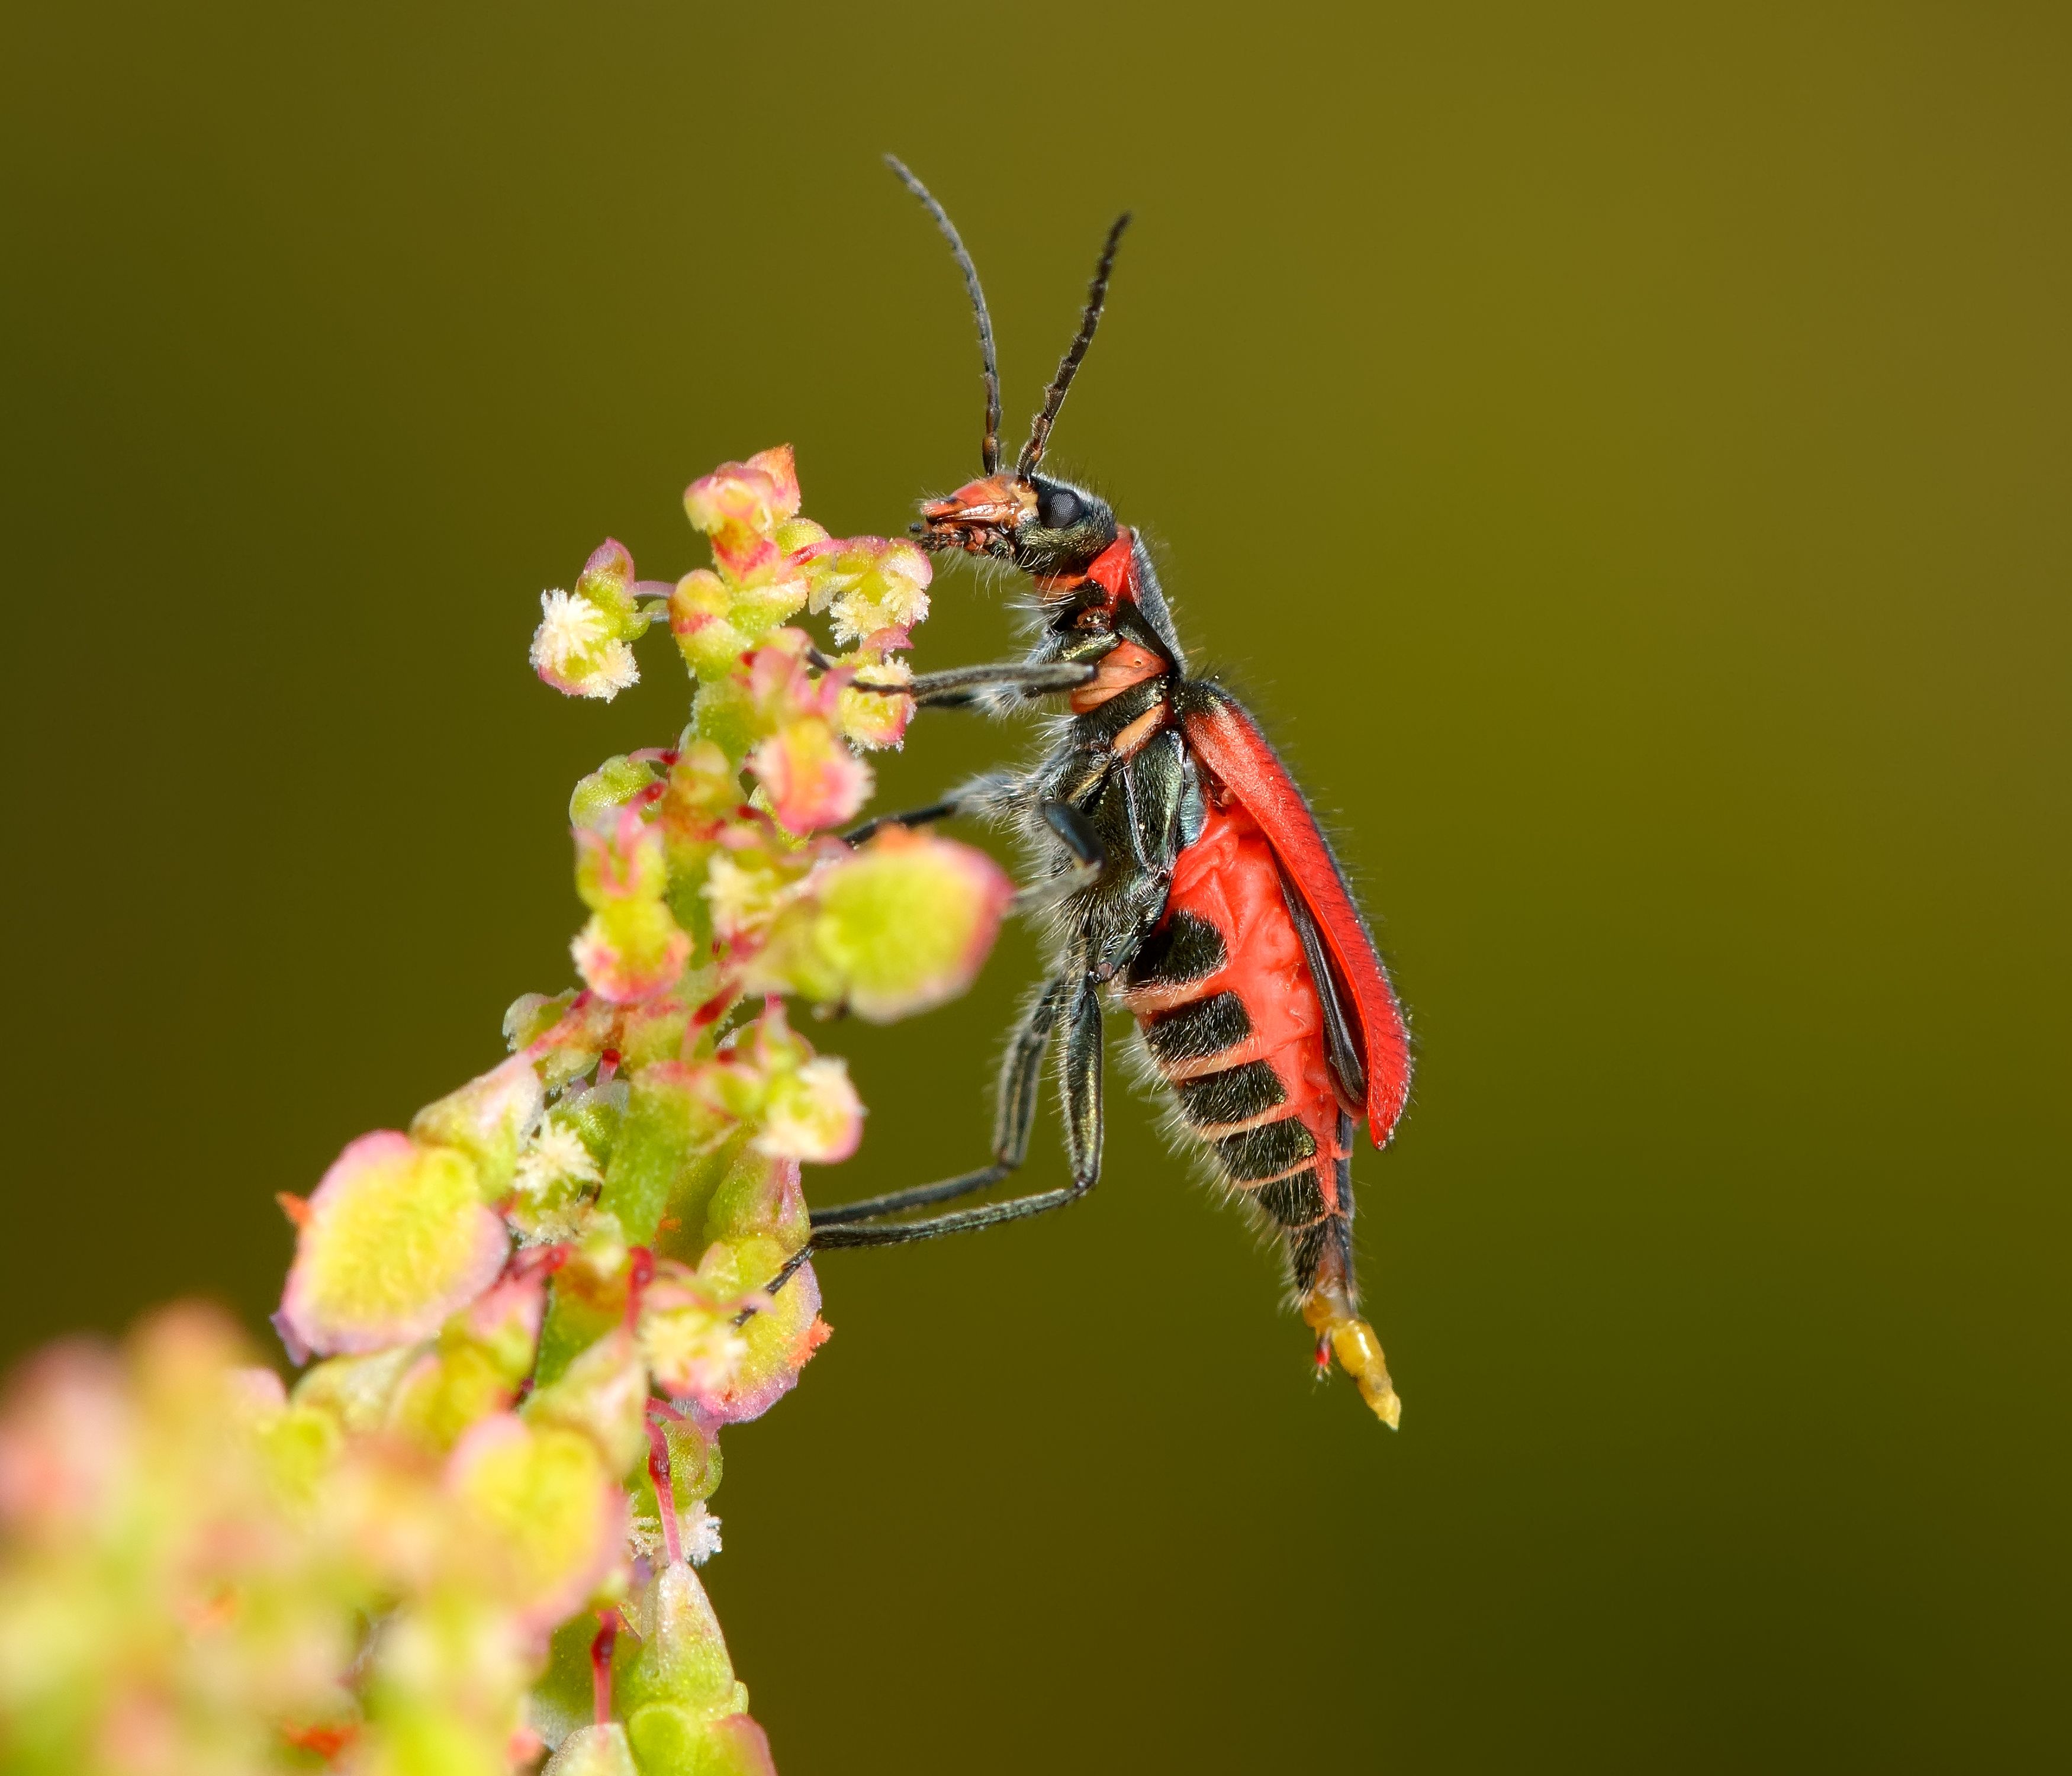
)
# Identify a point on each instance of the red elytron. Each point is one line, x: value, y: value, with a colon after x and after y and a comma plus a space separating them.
x: 1186, y: 877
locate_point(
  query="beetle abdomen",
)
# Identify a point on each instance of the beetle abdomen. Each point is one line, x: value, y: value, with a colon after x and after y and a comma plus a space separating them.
x: 1231, y: 1019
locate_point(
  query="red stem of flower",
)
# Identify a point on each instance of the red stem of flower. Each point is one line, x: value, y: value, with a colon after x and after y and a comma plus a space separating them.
x: 715, y: 1008
x: 639, y: 1273
x: 609, y: 1622
x: 665, y: 1492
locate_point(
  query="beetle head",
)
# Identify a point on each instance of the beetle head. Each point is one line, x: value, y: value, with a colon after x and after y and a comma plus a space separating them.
x: 1040, y: 525
x: 1043, y: 526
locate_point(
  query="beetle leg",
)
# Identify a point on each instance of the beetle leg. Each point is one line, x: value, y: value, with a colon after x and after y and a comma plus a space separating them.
x: 1019, y: 1076
x: 997, y: 794
x: 1080, y: 1081
x: 1077, y: 832
x: 986, y: 687
x: 985, y: 798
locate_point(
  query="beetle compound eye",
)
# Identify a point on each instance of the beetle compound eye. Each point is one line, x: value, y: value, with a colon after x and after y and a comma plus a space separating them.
x: 1062, y: 508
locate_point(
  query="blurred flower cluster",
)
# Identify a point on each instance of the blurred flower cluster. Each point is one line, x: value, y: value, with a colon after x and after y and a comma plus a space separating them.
x: 464, y: 1539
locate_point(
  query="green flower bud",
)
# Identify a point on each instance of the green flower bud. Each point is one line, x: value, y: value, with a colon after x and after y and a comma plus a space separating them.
x: 394, y: 1239
x: 673, y: 1742
x: 668, y: 1157
x: 700, y: 618
x: 568, y: 1047
x: 487, y: 1119
x: 541, y: 1502
x: 301, y: 1447
x: 631, y: 949
x: 683, y: 1658
x: 603, y: 1395
x: 445, y: 1392
x: 612, y: 785
x: 354, y: 1392
x: 593, y: 1751
x: 901, y: 926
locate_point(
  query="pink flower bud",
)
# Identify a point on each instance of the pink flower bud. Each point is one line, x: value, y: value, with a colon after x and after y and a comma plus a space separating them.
x: 623, y: 859
x: 632, y: 951
x: 689, y: 1340
x: 780, y: 682
x: 871, y: 718
x: 781, y: 466
x: 739, y: 505
x: 65, y: 1440
x: 812, y: 779
x: 607, y: 580
x: 870, y: 583
x: 780, y: 1337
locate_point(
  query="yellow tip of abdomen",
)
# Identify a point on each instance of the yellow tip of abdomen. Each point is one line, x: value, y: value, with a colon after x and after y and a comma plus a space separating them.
x: 1359, y: 1351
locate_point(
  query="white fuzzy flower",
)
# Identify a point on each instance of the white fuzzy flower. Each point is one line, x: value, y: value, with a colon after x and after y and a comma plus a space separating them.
x: 697, y: 1534
x: 569, y: 624
x: 699, y: 1531
x: 575, y: 650
x: 555, y: 1153
x: 643, y: 1534
x: 614, y: 670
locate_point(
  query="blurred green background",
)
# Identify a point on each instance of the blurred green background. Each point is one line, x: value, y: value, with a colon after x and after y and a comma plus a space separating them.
x: 1623, y: 451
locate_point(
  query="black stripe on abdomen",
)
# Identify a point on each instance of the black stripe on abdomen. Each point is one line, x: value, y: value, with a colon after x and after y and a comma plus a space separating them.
x: 1238, y: 1094
x: 1185, y: 948
x: 1294, y: 1201
x: 1194, y: 1032
x: 1265, y: 1151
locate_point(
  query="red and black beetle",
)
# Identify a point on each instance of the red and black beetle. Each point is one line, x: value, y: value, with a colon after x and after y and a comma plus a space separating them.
x: 1187, y: 878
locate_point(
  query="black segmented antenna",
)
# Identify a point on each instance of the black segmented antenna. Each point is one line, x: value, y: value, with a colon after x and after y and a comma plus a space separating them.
x: 1054, y: 396
x: 991, y: 452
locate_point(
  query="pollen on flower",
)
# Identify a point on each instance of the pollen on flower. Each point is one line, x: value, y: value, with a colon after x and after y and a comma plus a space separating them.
x: 556, y: 1154
x: 580, y: 648
x: 615, y: 670
x: 699, y: 1534
x: 569, y: 624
